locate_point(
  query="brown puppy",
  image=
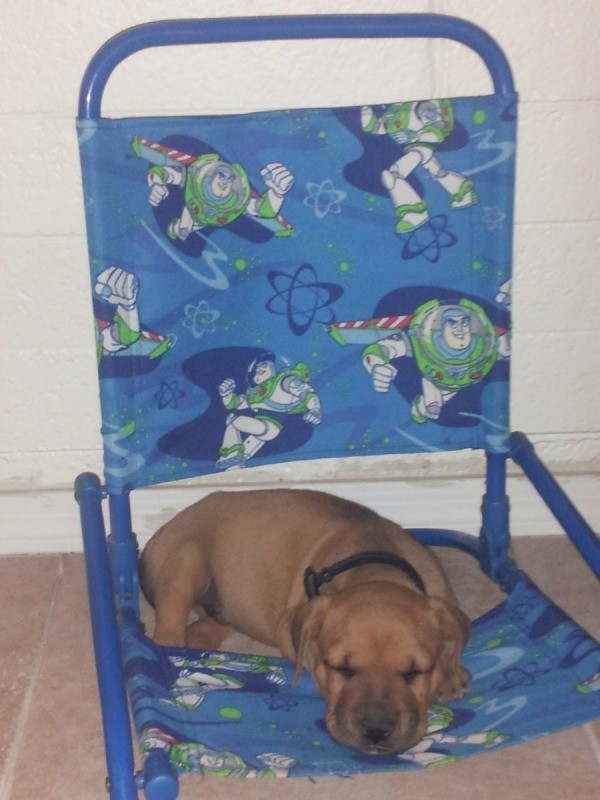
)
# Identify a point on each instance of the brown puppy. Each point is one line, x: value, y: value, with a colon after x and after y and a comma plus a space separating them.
x: 382, y: 641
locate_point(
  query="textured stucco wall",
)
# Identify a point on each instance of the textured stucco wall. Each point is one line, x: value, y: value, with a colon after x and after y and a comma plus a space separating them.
x: 50, y: 417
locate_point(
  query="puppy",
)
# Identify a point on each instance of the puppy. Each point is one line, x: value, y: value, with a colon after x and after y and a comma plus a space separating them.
x: 338, y: 589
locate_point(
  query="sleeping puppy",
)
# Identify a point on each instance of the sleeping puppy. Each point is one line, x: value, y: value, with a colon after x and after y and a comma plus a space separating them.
x: 338, y: 589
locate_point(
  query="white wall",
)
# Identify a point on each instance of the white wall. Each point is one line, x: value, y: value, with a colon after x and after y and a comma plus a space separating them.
x: 50, y: 418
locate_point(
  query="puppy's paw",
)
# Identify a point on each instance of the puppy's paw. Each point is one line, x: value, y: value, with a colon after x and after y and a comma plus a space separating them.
x: 454, y: 685
x: 206, y: 634
x: 168, y: 639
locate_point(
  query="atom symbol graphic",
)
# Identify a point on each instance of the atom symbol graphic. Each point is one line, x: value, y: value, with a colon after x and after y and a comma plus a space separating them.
x: 278, y: 703
x: 493, y: 218
x: 324, y: 198
x: 429, y: 240
x: 526, y: 676
x: 169, y: 394
x: 200, y: 319
x: 302, y: 299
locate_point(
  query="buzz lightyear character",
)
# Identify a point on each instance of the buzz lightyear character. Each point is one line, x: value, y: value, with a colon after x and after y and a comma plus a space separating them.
x: 419, y: 127
x: 429, y: 751
x: 454, y: 346
x: 252, y: 665
x: 191, y: 687
x: 190, y: 756
x: 215, y: 191
x: 156, y: 739
x: 591, y: 684
x: 270, y: 397
x: 276, y: 765
x: 119, y: 289
x: 504, y: 296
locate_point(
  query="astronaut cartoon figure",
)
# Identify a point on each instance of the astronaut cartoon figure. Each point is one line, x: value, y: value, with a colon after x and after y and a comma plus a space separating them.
x: 454, y: 345
x: 153, y: 738
x: 215, y: 192
x: 195, y: 756
x: 122, y: 330
x: 252, y: 665
x: 432, y: 749
x: 591, y: 684
x: 504, y: 295
x: 419, y: 127
x: 190, y: 756
x: 270, y: 397
x: 191, y: 687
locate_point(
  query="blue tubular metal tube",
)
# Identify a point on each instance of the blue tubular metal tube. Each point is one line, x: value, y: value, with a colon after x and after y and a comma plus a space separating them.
x: 495, y: 528
x: 122, y: 546
x: 440, y: 537
x: 120, y: 516
x: 321, y: 26
x: 575, y: 526
x: 159, y: 779
x: 117, y: 732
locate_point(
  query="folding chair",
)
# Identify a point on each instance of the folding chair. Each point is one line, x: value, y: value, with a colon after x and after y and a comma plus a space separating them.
x: 295, y: 285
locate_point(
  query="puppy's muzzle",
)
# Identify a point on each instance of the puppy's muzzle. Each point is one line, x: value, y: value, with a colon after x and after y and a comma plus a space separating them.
x: 380, y: 728
x: 376, y: 725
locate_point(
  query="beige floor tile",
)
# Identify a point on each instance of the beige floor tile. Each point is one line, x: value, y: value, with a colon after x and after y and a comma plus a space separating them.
x: 26, y: 592
x: 593, y: 732
x: 62, y: 753
x: 476, y: 592
x: 559, y: 571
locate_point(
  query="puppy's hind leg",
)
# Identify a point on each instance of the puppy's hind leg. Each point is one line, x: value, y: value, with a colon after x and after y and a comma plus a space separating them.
x: 181, y: 582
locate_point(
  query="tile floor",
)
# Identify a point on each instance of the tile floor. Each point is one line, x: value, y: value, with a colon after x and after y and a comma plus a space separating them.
x: 50, y: 736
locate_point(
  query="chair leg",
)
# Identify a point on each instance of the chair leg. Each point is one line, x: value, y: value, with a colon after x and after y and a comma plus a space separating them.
x: 574, y: 525
x: 115, y: 715
x: 123, y: 553
x: 158, y: 779
x: 495, y: 529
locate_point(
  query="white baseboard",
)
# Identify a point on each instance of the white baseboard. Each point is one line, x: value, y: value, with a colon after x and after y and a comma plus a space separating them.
x: 48, y: 522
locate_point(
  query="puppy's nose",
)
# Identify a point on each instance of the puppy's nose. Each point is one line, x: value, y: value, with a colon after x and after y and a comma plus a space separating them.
x: 377, y: 735
x: 377, y: 725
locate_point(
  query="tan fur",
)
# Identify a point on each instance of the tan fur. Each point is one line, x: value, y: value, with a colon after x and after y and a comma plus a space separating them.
x: 379, y: 651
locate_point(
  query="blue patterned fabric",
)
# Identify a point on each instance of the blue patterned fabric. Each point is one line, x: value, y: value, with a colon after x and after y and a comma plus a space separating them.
x: 300, y: 284
x: 534, y: 672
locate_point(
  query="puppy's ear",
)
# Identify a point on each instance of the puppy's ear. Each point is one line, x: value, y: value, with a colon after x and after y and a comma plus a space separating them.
x: 304, y: 625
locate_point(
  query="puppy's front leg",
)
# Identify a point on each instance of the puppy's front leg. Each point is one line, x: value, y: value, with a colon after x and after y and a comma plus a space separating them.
x: 451, y: 680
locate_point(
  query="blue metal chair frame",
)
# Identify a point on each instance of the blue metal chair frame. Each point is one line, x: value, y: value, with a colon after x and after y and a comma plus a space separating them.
x: 111, y: 562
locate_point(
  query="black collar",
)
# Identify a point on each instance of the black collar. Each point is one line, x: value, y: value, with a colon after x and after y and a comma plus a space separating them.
x: 314, y: 580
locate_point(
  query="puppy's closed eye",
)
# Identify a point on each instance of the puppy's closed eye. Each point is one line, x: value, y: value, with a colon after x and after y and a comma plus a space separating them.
x: 411, y: 675
x: 344, y: 670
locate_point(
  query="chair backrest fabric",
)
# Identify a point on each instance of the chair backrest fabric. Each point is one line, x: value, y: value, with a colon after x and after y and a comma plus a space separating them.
x: 300, y: 284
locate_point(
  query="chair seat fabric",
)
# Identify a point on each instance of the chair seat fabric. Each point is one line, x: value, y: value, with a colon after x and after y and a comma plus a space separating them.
x: 535, y: 671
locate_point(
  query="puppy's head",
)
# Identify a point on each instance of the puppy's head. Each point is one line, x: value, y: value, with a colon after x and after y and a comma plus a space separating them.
x: 380, y: 654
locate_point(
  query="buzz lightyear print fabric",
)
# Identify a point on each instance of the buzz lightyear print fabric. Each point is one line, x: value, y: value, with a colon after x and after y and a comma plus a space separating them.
x: 300, y: 284
x: 236, y: 715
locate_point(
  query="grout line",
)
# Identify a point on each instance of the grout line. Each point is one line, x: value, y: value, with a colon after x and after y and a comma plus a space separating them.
x: 8, y: 778
x: 593, y: 740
